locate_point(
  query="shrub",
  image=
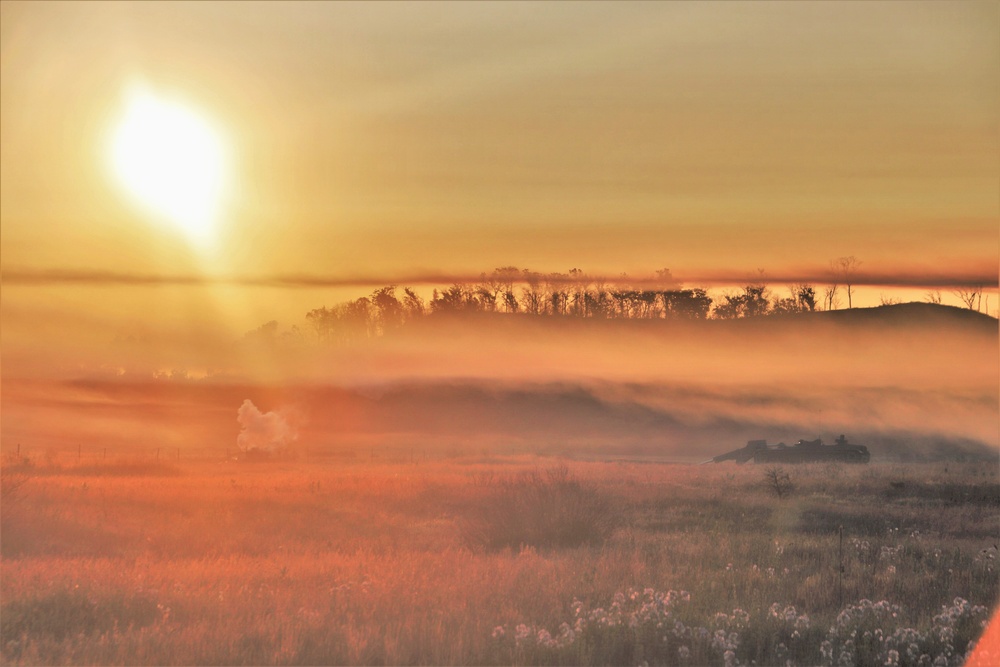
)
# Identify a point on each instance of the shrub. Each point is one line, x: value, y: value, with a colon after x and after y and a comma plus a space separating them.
x: 779, y: 481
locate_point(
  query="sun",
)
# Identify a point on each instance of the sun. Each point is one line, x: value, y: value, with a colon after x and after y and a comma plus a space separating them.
x: 171, y: 161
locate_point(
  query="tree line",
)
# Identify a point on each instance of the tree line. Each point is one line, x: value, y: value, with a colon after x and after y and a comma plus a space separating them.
x: 512, y: 291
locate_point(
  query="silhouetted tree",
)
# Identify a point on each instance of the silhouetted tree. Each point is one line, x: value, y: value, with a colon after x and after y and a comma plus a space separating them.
x: 625, y: 303
x: 785, y: 305
x: 756, y: 301
x: 532, y: 293
x: 846, y: 268
x: 577, y: 293
x: 731, y: 307
x: 323, y: 321
x: 806, y: 297
x: 972, y: 297
x: 570, y: 293
x: 830, y: 300
x: 346, y: 322
x: 490, y: 289
x: 455, y: 299
x: 599, y: 303
x: 802, y: 299
x: 388, y: 313
x: 505, y: 277
x: 752, y: 302
x: 688, y: 304
x: 558, y: 300
x: 510, y: 301
x: 357, y: 320
x: 485, y: 298
x: 413, y: 305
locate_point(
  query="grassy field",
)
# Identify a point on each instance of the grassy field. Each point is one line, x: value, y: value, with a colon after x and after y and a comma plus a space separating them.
x: 507, y: 561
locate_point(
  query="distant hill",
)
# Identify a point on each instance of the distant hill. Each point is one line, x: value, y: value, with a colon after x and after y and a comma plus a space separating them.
x: 911, y: 313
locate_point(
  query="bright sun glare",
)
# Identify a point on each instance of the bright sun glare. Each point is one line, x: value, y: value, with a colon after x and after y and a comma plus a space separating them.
x: 172, y: 161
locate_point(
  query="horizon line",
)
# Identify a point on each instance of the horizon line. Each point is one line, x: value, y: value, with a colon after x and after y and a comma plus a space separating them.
x: 901, y: 279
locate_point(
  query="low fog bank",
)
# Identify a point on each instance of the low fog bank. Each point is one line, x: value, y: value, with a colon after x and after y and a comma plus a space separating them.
x: 498, y: 417
x: 900, y: 348
x: 650, y: 420
x: 913, y: 382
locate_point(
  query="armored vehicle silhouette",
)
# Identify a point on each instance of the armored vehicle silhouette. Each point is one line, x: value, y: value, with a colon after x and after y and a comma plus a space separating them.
x: 804, y: 451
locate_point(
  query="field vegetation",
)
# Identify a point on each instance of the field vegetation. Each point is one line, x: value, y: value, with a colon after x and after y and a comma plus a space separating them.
x: 519, y: 560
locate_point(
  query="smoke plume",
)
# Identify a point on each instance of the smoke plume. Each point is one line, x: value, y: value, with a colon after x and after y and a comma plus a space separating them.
x: 262, y: 431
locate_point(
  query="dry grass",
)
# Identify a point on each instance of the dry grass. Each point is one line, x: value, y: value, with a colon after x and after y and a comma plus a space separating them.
x: 299, y: 563
x: 537, y: 508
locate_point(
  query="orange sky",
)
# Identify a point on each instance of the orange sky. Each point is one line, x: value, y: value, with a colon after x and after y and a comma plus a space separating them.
x: 376, y: 143
x: 615, y: 137
x: 386, y: 141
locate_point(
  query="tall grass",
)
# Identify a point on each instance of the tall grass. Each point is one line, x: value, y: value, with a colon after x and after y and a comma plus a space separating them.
x: 549, y: 509
x: 420, y: 564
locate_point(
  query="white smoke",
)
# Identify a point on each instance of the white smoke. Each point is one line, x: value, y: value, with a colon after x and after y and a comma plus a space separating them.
x: 262, y: 431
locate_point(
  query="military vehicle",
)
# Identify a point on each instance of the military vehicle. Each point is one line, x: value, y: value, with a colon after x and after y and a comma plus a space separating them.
x: 804, y: 451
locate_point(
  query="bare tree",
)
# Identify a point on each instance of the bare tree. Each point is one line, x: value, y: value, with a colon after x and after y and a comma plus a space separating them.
x: 846, y: 268
x: 933, y: 296
x: 830, y: 299
x: 578, y: 305
x: 972, y: 297
x: 502, y: 280
x: 532, y: 295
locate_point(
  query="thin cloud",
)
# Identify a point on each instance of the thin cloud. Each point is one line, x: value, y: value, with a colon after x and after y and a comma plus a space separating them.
x: 916, y: 279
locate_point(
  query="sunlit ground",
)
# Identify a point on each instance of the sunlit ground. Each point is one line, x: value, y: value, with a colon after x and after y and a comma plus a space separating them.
x: 492, y: 561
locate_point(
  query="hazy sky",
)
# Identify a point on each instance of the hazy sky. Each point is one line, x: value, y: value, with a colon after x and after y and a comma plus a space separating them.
x: 385, y: 138
x: 386, y: 141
